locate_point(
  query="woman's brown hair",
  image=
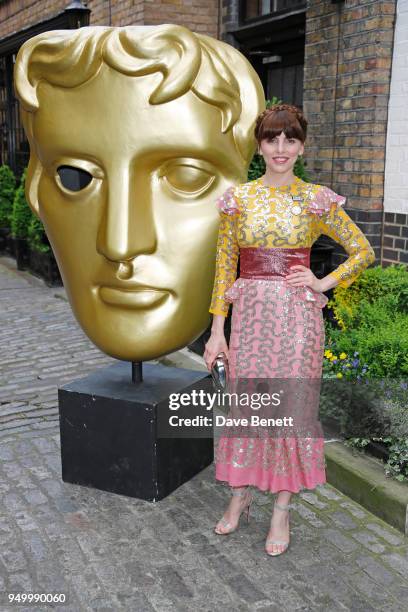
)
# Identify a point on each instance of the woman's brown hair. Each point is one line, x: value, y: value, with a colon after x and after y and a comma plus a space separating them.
x: 281, y: 118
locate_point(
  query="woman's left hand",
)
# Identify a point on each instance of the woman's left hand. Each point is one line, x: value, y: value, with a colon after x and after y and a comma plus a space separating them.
x: 302, y: 276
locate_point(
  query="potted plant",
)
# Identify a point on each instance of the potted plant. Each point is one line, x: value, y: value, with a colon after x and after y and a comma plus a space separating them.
x: 7, y: 189
x: 20, y: 220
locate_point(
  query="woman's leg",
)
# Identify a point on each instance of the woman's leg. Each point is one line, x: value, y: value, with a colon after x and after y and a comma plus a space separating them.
x: 279, y: 529
x: 241, y: 498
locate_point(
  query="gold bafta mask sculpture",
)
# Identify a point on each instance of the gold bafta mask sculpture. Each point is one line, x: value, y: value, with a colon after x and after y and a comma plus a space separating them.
x: 134, y: 132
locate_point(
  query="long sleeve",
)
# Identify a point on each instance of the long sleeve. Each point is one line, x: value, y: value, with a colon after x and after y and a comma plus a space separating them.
x: 337, y: 224
x: 225, y: 263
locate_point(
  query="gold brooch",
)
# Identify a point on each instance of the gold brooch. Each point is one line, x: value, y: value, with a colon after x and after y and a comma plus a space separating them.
x: 296, y: 210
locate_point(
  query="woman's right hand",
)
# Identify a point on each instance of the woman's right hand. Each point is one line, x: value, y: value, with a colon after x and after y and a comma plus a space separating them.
x: 215, y: 345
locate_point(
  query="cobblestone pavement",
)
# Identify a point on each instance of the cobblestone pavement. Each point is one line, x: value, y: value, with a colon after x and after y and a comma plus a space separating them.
x: 110, y: 553
x: 42, y: 347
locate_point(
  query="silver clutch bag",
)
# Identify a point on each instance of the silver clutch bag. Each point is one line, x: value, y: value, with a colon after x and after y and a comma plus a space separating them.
x: 220, y: 372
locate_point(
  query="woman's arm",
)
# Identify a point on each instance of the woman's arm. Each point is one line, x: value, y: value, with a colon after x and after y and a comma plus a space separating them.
x: 327, y: 282
x: 217, y: 327
x: 216, y: 343
x: 337, y: 224
x: 226, y: 261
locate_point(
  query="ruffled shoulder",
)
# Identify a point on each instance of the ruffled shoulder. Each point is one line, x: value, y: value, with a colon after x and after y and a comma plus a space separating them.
x: 228, y: 204
x: 320, y: 202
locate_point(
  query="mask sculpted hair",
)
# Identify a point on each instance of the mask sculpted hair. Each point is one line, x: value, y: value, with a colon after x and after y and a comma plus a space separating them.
x: 187, y: 61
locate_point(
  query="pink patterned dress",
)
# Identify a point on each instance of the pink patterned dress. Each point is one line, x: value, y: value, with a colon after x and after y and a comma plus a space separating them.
x: 277, y: 331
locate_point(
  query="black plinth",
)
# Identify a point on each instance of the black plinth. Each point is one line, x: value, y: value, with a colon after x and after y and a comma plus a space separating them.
x: 109, y: 437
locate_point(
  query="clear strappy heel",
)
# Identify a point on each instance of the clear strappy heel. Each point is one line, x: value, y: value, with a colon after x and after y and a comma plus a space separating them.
x: 227, y: 526
x: 283, y: 543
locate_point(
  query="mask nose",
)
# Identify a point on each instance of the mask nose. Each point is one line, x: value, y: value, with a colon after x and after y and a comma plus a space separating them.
x: 127, y: 225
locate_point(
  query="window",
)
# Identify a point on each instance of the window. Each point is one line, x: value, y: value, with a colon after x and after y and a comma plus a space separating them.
x: 255, y: 9
x: 14, y: 148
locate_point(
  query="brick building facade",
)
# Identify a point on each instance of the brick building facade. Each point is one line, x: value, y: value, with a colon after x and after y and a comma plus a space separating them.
x: 197, y: 15
x: 336, y: 58
x: 348, y: 60
x: 350, y: 51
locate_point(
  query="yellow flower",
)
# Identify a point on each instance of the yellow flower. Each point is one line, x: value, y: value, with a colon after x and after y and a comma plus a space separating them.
x: 328, y: 353
x: 339, y: 375
x: 343, y: 355
x: 333, y: 357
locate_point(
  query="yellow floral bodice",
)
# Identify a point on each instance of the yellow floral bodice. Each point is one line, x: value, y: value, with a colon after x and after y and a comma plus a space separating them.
x: 293, y: 216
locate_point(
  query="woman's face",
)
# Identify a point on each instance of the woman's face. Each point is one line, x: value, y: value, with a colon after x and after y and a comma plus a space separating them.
x: 280, y: 153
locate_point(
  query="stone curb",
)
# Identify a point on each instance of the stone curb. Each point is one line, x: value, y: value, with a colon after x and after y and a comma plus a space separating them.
x: 359, y: 476
x: 362, y: 478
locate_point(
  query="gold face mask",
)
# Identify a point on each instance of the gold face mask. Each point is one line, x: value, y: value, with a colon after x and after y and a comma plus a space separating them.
x: 134, y: 132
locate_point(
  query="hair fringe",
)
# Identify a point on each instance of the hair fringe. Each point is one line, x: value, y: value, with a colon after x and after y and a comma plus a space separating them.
x: 289, y: 108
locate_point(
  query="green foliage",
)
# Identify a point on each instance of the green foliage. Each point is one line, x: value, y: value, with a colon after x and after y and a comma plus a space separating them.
x: 21, y: 215
x: 7, y: 189
x: 37, y: 238
x: 257, y: 166
x: 383, y: 347
x: 385, y: 287
x: 372, y: 318
x: 374, y: 321
x: 396, y: 465
x: 24, y: 224
x: 300, y: 170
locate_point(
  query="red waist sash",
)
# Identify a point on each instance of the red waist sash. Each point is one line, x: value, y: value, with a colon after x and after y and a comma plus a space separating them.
x: 262, y: 262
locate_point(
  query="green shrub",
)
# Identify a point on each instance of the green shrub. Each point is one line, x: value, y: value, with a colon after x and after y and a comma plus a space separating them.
x: 382, y: 343
x: 372, y: 317
x: 21, y: 215
x: 374, y: 321
x: 37, y: 238
x: 396, y: 465
x: 24, y: 224
x: 257, y: 166
x: 7, y: 189
x: 384, y: 287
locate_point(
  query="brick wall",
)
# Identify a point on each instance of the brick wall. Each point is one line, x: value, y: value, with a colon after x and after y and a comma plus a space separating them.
x: 395, y: 238
x: 347, y: 75
x: 200, y: 16
x: 18, y: 14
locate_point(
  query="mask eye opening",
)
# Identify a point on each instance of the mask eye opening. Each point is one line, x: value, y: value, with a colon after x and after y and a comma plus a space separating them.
x: 72, y: 178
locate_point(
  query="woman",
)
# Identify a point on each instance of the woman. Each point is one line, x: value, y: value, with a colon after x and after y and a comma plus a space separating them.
x: 277, y: 328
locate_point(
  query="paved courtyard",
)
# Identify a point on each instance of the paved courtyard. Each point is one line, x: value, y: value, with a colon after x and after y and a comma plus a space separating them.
x: 110, y: 553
